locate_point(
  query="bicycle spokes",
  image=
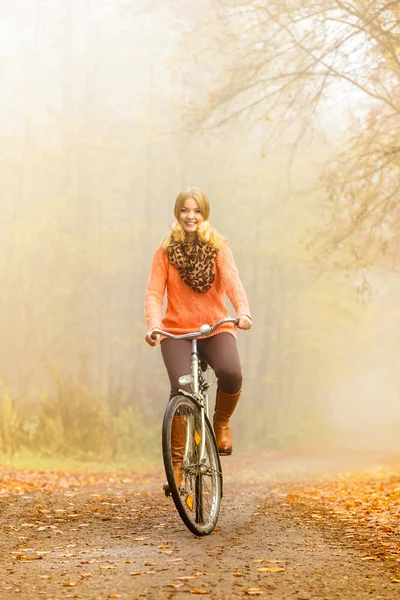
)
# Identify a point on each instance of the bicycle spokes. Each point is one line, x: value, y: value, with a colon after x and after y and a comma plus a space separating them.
x: 197, y: 477
x: 199, y: 493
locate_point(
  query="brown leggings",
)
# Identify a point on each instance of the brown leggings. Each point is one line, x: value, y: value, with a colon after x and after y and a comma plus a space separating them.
x: 219, y: 351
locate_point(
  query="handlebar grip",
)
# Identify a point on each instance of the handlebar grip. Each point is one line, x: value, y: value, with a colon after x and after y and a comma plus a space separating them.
x: 153, y: 336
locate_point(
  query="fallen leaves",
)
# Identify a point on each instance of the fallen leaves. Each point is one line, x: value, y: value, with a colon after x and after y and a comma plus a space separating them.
x: 76, y: 515
x: 19, y: 481
x: 364, y: 507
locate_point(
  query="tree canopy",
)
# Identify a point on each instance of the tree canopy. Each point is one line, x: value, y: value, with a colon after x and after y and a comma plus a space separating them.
x: 288, y: 60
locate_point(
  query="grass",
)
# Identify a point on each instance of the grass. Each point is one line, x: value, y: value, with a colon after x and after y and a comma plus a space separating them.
x: 32, y: 461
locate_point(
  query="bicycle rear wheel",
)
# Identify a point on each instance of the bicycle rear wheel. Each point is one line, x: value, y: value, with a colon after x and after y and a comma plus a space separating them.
x: 199, y: 494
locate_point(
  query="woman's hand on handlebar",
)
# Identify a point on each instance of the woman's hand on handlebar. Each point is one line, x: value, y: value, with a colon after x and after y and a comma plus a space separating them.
x: 244, y: 322
x: 149, y: 339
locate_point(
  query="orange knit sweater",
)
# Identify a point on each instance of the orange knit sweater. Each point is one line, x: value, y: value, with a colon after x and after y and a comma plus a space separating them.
x: 187, y: 310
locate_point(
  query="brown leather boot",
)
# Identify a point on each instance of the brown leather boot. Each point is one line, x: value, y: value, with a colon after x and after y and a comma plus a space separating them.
x: 178, y: 439
x: 225, y: 404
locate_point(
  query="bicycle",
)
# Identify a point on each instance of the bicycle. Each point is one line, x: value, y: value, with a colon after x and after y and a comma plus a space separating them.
x: 198, y: 496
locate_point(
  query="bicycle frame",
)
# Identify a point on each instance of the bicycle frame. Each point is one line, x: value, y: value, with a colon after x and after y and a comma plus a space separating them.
x: 193, y: 378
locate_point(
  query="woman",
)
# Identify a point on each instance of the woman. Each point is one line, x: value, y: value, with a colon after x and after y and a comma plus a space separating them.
x: 196, y: 268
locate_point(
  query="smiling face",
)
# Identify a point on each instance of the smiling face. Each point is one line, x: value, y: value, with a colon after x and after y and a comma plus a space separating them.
x: 190, y: 218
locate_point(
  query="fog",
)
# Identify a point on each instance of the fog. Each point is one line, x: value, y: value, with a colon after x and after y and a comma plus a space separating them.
x: 107, y: 110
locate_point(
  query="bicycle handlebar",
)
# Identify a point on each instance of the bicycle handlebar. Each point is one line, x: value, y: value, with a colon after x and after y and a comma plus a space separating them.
x: 204, y: 330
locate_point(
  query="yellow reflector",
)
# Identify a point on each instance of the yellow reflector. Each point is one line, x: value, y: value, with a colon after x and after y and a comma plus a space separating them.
x: 197, y: 437
x: 189, y: 501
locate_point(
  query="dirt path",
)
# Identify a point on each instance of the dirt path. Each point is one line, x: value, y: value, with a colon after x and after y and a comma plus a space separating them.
x: 119, y: 537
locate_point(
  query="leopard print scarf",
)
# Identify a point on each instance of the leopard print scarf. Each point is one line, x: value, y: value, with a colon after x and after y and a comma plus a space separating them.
x: 195, y: 263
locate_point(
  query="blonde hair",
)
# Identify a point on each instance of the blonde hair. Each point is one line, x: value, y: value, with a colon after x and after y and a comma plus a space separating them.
x: 205, y: 232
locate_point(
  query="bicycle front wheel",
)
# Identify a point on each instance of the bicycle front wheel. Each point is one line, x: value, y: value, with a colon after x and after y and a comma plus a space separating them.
x: 195, y: 486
